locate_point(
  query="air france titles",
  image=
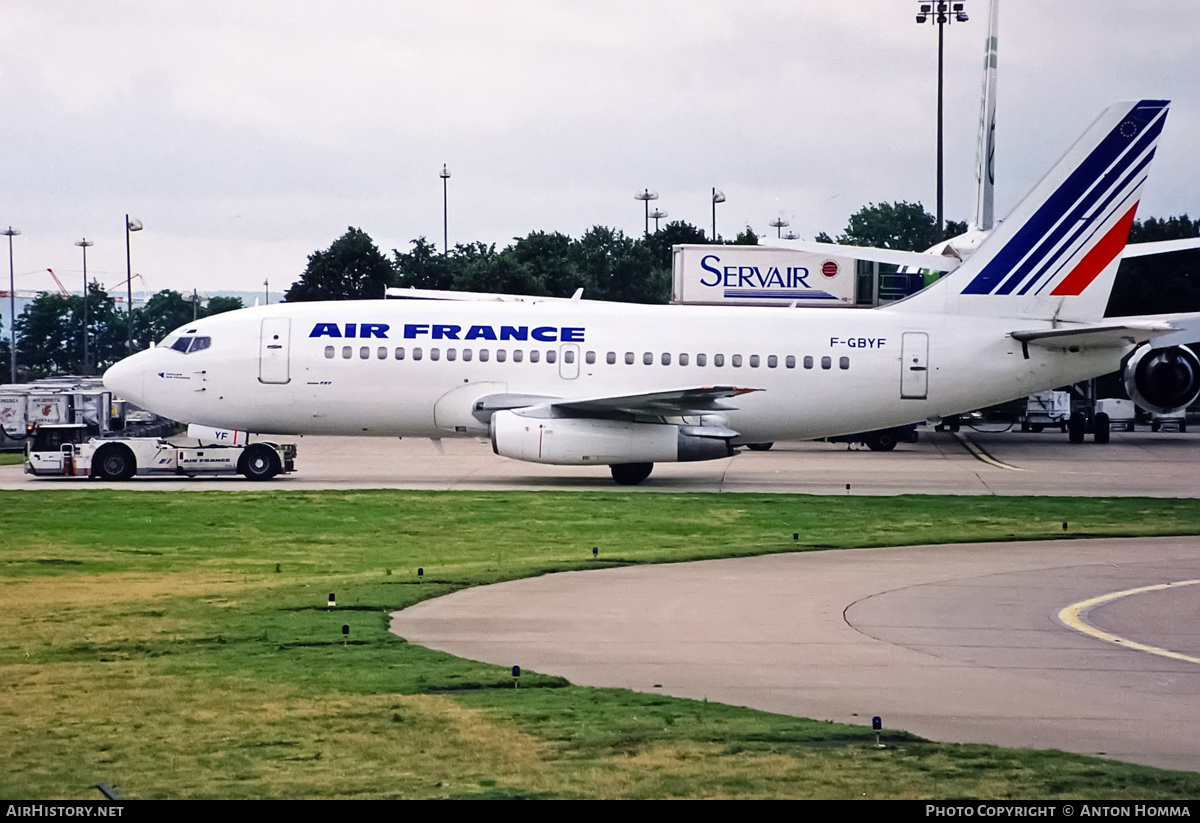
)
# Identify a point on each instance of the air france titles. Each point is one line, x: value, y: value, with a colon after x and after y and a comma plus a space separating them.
x: 450, y: 331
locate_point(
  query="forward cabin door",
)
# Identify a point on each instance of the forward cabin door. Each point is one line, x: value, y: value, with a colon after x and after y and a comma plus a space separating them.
x: 914, y: 365
x: 273, y: 347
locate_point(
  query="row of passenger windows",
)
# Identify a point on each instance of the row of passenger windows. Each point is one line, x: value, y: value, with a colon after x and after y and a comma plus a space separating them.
x: 647, y: 358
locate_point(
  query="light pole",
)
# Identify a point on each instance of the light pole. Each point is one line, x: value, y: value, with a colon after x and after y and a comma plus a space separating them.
x: 445, y: 175
x: 940, y: 14
x: 646, y: 196
x: 130, y: 226
x: 657, y: 214
x: 84, y: 243
x: 717, y: 197
x: 12, y: 309
x: 780, y: 224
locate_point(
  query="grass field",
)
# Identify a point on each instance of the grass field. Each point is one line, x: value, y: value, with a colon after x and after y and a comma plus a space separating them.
x: 180, y: 645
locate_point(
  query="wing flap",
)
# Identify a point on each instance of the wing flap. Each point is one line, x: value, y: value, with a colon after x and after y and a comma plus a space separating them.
x: 670, y: 403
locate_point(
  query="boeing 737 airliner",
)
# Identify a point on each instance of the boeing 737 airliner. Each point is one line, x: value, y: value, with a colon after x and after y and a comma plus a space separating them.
x: 590, y: 383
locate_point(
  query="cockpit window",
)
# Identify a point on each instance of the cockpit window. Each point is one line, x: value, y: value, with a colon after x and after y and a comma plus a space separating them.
x: 187, y: 345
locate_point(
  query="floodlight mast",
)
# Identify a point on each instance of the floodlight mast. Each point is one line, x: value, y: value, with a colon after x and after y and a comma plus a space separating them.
x: 131, y: 225
x: 646, y: 196
x: 657, y: 214
x: 779, y: 224
x: 941, y: 14
x: 717, y: 197
x: 84, y: 243
x: 445, y: 175
x: 12, y: 308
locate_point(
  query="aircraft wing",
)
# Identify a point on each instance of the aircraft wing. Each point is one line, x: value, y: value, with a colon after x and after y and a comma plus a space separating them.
x: 1160, y: 247
x: 672, y: 403
x: 919, y: 260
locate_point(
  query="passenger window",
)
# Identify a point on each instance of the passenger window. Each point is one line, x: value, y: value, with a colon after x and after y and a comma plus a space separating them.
x: 844, y: 363
x: 501, y: 355
x: 417, y: 353
x: 610, y: 358
x: 702, y: 360
x: 466, y: 355
x: 518, y: 356
x: 808, y: 362
x: 628, y: 358
x: 552, y: 356
x: 683, y: 359
x: 754, y: 361
x: 329, y: 352
x: 590, y: 358
x: 666, y: 359
x: 790, y: 362
x: 435, y: 354
x: 347, y: 352
x: 381, y: 353
x: 826, y: 362
x: 772, y: 361
x: 400, y: 353
x: 648, y: 358
x: 483, y: 355
x: 534, y: 355
x: 569, y: 356
x: 737, y: 361
x: 451, y: 354
x: 365, y: 352
x: 718, y: 360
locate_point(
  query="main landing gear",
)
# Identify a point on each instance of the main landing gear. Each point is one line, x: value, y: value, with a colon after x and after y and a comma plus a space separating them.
x: 630, y: 474
x: 1078, y: 426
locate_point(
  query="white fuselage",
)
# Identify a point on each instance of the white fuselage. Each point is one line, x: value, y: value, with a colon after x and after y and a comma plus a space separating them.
x: 417, y: 367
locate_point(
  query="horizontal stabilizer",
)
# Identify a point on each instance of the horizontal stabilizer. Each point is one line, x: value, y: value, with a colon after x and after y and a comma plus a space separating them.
x: 1161, y: 247
x: 1113, y: 335
x: 914, y: 259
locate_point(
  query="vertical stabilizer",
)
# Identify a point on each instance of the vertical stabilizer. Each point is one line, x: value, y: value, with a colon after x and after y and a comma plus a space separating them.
x: 1056, y: 256
x: 985, y: 150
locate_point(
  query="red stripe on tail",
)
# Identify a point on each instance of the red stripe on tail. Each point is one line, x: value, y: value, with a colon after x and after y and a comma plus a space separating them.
x: 1096, y: 260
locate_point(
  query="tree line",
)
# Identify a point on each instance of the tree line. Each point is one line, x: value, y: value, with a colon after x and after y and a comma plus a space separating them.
x: 606, y: 263
x: 51, y: 329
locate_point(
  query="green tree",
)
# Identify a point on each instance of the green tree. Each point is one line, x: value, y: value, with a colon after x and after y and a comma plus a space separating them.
x: 422, y: 268
x: 622, y: 268
x: 900, y: 225
x: 675, y: 233
x: 221, y: 304
x: 352, y: 268
x: 51, y: 333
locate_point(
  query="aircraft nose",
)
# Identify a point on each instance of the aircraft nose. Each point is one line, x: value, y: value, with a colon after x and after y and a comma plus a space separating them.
x: 126, y: 379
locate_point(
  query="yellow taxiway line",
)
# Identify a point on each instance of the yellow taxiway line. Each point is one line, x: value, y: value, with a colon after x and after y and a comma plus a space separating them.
x: 1071, y: 616
x: 979, y: 454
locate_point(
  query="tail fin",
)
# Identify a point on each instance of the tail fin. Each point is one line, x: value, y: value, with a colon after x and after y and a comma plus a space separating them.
x: 985, y: 150
x: 1056, y: 255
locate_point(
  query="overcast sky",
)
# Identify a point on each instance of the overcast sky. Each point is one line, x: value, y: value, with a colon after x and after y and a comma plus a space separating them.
x: 246, y: 135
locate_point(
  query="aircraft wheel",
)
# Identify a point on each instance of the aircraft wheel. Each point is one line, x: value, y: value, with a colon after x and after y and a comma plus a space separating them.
x: 259, y: 462
x: 759, y: 447
x: 1101, y: 427
x: 1076, y: 427
x: 630, y: 474
x: 883, y: 441
x: 114, y: 462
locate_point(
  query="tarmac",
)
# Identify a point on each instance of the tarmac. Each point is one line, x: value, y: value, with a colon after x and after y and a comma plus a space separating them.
x: 956, y: 643
x: 1142, y: 464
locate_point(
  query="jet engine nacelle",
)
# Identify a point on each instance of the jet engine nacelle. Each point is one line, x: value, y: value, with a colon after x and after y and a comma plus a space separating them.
x: 575, y: 441
x: 1163, y: 381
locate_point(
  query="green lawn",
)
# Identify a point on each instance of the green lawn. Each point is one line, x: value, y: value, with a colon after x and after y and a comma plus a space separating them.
x: 180, y: 645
